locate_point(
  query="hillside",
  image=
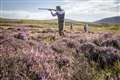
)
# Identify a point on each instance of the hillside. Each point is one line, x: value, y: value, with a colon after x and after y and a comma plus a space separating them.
x: 110, y: 20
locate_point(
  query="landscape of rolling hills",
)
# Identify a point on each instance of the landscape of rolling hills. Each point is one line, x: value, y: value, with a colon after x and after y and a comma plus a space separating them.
x: 110, y: 20
x: 41, y: 54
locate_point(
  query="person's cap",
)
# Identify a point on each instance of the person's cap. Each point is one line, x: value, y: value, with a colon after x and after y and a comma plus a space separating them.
x: 58, y: 7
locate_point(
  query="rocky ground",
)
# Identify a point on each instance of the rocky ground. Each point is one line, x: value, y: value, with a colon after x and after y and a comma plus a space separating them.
x: 41, y: 54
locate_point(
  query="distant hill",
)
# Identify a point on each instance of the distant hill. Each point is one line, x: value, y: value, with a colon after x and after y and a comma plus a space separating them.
x: 110, y: 20
x: 51, y: 20
x: 70, y: 20
x: 8, y: 20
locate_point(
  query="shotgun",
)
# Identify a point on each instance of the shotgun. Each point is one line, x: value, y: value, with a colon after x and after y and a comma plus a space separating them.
x: 47, y: 9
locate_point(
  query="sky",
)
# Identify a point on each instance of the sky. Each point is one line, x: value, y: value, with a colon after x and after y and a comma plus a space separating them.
x: 81, y: 10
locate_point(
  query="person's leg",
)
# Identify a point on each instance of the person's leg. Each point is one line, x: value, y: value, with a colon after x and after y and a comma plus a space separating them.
x: 85, y: 29
x: 61, y: 25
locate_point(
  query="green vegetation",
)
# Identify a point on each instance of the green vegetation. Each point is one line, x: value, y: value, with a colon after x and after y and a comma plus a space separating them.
x: 77, y: 26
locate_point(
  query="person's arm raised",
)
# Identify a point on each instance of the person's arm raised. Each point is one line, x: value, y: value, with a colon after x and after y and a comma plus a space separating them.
x: 53, y: 14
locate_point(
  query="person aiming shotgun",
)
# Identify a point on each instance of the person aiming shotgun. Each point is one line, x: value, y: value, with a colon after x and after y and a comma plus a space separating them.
x: 60, y: 13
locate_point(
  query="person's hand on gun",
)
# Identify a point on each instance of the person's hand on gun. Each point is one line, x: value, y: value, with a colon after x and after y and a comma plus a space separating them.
x: 51, y: 9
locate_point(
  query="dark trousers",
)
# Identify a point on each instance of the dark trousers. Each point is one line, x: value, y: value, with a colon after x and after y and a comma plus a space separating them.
x: 85, y: 29
x: 61, y: 26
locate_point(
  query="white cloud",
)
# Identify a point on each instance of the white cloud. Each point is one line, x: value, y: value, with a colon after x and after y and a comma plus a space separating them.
x: 90, y: 10
x: 84, y: 10
x: 16, y: 14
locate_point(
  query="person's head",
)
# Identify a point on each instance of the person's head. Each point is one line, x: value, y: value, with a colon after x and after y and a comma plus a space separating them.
x: 58, y: 8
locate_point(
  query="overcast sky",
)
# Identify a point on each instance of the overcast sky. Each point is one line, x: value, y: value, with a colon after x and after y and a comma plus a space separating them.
x: 82, y: 10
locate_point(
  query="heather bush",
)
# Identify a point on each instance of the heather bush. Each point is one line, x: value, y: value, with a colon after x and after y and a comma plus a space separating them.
x: 74, y: 62
x: 18, y: 61
x: 58, y: 46
x: 81, y: 70
x: 111, y: 42
x: 14, y: 63
x: 87, y: 47
x: 18, y: 67
x: 107, y: 40
x: 51, y: 57
x: 104, y: 56
x: 64, y: 44
x: 106, y: 35
x: 48, y: 31
x: 29, y: 60
x: 97, y: 42
x: 46, y: 38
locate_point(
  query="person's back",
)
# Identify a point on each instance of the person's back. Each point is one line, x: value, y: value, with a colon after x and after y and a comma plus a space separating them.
x: 61, y: 15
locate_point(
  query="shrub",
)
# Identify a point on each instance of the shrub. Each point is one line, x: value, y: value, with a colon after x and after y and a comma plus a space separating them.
x: 111, y: 42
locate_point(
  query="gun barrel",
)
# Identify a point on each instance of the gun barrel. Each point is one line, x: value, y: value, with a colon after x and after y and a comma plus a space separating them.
x: 43, y: 9
x: 46, y: 9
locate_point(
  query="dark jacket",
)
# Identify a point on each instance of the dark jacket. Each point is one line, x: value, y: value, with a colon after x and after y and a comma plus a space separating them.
x: 60, y: 15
